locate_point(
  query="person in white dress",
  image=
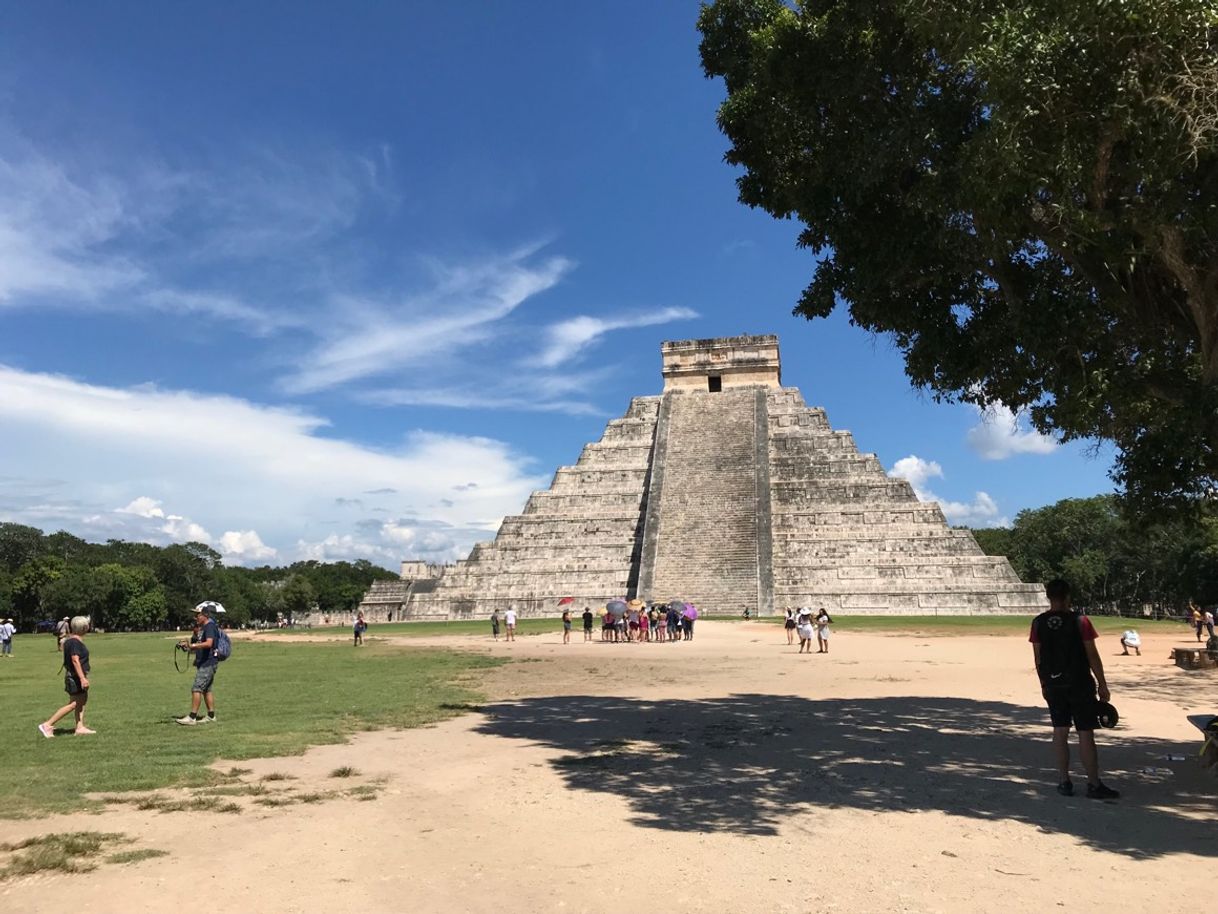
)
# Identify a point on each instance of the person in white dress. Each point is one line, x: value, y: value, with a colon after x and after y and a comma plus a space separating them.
x: 509, y: 620
x: 822, y: 631
x: 804, y: 628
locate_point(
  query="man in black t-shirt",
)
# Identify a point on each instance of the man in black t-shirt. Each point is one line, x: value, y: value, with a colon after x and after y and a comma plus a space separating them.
x: 587, y: 624
x: 203, y: 644
x: 1063, y: 647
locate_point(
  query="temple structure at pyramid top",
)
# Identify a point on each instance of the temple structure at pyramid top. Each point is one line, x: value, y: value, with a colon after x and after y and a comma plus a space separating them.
x: 715, y: 364
x: 726, y: 491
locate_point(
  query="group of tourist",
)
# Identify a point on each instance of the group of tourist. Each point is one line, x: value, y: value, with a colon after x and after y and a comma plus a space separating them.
x: 624, y: 622
x: 808, y: 625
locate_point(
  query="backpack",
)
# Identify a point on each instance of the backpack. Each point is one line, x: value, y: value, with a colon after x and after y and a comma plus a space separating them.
x: 223, y: 648
x: 1063, y: 658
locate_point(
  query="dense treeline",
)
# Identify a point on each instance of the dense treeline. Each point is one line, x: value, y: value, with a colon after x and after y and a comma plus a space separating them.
x: 128, y: 586
x: 1113, y: 562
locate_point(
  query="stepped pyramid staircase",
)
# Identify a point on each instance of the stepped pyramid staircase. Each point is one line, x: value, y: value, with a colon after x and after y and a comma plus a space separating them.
x: 727, y: 491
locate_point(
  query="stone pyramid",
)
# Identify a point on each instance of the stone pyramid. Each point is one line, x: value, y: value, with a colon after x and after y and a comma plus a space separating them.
x: 729, y: 492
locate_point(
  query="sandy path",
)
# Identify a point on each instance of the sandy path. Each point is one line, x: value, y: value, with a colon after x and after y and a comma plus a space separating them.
x: 728, y: 774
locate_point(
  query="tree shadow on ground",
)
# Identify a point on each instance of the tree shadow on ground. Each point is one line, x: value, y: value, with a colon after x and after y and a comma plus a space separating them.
x: 745, y: 762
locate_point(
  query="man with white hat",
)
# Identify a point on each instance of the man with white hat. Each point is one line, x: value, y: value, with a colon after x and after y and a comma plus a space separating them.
x: 61, y: 631
x: 203, y: 643
x: 7, y: 630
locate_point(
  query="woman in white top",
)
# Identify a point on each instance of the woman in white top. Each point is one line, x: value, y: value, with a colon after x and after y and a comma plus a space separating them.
x: 803, y: 625
x: 822, y: 631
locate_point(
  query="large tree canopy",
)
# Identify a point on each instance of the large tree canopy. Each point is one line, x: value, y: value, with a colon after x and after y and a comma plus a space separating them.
x: 1112, y: 561
x: 1021, y: 192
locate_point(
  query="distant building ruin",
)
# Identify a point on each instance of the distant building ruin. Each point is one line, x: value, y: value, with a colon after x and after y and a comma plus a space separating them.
x: 727, y: 491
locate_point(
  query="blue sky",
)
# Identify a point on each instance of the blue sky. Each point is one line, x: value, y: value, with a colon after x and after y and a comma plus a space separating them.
x: 331, y: 281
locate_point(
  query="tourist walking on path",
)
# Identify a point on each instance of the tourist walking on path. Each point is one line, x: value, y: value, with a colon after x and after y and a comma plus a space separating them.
x: 1207, y: 619
x: 203, y: 644
x: 360, y: 627
x: 1071, y: 673
x: 75, y: 679
x: 566, y: 626
x: 588, y: 623
x: 789, y: 625
x: 495, y: 624
x: 822, y: 623
x: 7, y: 630
x: 805, y: 629
x: 1195, y: 617
x: 509, y: 619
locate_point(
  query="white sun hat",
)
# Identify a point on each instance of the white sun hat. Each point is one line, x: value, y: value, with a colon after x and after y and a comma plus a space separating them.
x: 210, y: 607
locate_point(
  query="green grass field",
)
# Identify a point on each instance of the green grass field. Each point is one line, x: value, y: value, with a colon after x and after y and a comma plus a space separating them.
x: 423, y: 629
x: 272, y: 698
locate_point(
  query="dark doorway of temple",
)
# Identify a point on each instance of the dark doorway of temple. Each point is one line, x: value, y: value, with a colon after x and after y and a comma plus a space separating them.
x: 714, y: 384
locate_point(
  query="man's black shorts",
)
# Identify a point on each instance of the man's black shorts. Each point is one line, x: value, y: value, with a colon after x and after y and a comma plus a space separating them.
x: 1078, y: 706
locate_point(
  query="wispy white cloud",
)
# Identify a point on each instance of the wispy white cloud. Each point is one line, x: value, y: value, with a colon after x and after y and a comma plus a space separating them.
x: 267, y: 244
x: 461, y: 308
x: 53, y: 231
x: 79, y: 236
x: 982, y: 511
x: 266, y: 476
x: 1001, y: 433
x: 259, y: 321
x: 473, y: 398
x: 567, y: 339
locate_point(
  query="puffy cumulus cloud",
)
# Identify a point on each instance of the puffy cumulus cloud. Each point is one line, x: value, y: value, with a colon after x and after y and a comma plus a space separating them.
x: 1001, y: 433
x: 982, y: 511
x: 917, y: 472
x: 181, y: 530
x: 142, y: 507
x: 172, y: 527
x: 245, y: 546
x: 346, y: 547
x: 390, y: 541
x: 237, y: 546
x: 231, y: 464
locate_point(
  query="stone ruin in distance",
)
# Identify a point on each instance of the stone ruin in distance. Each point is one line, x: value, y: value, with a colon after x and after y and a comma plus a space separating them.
x: 726, y: 491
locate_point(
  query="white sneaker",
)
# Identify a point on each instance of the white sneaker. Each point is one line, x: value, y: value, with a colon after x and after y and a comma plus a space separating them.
x: 207, y: 720
x: 187, y: 721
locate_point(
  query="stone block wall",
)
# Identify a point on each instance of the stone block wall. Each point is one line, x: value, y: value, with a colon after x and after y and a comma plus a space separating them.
x: 850, y: 538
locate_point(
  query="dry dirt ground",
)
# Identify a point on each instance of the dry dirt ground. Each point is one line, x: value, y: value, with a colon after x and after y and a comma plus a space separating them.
x: 898, y: 773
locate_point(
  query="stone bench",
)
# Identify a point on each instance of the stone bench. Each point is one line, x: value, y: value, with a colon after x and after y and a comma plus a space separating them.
x: 1194, y: 658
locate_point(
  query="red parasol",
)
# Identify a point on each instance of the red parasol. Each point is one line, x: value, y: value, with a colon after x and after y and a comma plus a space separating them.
x: 565, y: 600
